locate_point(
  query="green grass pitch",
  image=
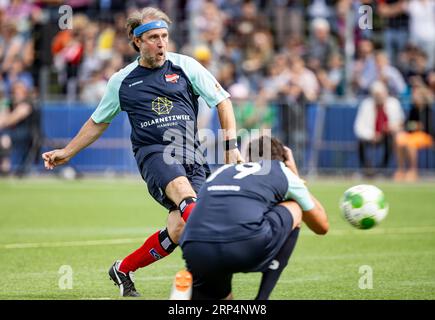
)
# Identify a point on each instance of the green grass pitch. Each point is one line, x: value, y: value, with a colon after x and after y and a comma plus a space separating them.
x: 87, y: 224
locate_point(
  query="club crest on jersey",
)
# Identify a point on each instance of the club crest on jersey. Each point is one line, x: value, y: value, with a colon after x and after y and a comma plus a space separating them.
x: 173, y: 78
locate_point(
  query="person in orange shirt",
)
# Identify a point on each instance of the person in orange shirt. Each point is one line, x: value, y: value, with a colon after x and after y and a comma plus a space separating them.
x: 418, y: 134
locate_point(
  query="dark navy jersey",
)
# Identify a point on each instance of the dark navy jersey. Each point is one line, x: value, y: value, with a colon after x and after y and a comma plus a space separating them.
x: 160, y: 101
x: 233, y: 202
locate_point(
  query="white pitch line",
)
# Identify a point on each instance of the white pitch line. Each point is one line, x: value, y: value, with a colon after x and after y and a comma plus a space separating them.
x: 333, y: 232
x: 69, y: 243
x: 103, y: 298
x: 377, y: 231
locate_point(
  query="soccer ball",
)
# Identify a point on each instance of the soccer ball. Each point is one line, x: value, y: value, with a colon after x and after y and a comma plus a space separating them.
x: 363, y: 206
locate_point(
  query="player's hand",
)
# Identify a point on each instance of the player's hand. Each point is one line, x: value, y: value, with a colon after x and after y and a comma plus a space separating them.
x: 290, y: 161
x: 233, y: 156
x: 55, y: 158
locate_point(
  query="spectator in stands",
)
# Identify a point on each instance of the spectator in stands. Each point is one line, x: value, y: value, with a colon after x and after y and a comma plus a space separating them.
x: 120, y: 43
x: 249, y: 114
x: 13, y: 45
x: 209, y: 25
x: 396, y: 30
x: 431, y: 81
x: 20, y: 11
x: 378, y: 119
x: 258, y: 54
x: 319, y: 9
x: 301, y: 89
x: 277, y: 79
x: 205, y: 114
x: 67, y: 49
x: 321, y: 45
x: 422, y: 27
x: 249, y: 22
x: 389, y: 74
x: 294, y: 46
x: 233, y: 53
x: 343, y: 11
x: 364, y: 71
x: 5, y: 147
x: 417, y: 71
x: 303, y: 84
x: 5, y: 139
x: 244, y: 27
x: 288, y: 19
x: 23, y: 122
x: 370, y: 67
x: 15, y: 72
x: 332, y: 79
x: 104, y: 41
x: 227, y: 74
x: 339, y: 23
x: 93, y: 90
x: 405, y: 59
x: 91, y: 61
x: 418, y: 133
x: 204, y: 55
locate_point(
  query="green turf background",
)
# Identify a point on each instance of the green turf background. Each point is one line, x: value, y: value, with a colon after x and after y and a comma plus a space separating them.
x: 58, y: 219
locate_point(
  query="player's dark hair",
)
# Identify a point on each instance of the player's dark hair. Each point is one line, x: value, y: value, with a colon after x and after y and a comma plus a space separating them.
x: 267, y: 148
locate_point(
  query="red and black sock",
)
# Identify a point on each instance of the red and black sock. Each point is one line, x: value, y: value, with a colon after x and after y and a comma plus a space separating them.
x: 186, y: 206
x: 156, y: 247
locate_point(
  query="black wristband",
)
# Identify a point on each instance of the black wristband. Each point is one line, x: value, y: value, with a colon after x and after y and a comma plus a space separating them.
x: 230, y: 144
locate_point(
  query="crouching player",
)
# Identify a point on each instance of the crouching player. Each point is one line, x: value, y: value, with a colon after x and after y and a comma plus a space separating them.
x: 247, y: 219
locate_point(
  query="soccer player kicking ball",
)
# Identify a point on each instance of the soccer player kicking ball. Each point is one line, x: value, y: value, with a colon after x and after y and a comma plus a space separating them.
x: 246, y: 219
x: 159, y: 92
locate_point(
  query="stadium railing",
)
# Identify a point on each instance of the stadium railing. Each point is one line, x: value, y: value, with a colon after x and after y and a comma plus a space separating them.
x: 329, y: 144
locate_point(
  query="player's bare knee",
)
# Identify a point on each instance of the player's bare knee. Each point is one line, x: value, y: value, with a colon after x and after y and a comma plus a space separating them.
x: 179, y: 189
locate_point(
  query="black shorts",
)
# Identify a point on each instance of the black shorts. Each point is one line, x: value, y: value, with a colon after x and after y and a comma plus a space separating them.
x: 157, y: 174
x: 213, y: 264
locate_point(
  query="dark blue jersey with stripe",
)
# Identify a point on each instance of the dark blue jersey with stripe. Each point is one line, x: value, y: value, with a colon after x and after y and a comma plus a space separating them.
x: 233, y: 202
x: 161, y: 103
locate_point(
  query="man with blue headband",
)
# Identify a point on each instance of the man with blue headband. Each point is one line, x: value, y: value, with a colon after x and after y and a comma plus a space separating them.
x: 159, y: 92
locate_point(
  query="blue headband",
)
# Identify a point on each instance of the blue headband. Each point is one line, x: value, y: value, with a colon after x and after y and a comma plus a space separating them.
x: 157, y: 24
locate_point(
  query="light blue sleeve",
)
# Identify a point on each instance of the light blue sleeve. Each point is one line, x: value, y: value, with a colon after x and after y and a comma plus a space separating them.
x: 109, y: 105
x: 297, y: 190
x: 203, y: 82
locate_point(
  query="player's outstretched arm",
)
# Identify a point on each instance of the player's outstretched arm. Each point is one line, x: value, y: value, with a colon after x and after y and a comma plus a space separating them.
x: 316, y: 218
x: 89, y: 132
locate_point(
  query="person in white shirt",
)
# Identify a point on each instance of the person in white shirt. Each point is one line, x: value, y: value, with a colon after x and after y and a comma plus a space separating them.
x: 379, y: 118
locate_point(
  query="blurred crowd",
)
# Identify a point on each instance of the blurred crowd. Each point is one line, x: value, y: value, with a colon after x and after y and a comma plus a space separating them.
x: 309, y: 49
x: 289, y: 51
